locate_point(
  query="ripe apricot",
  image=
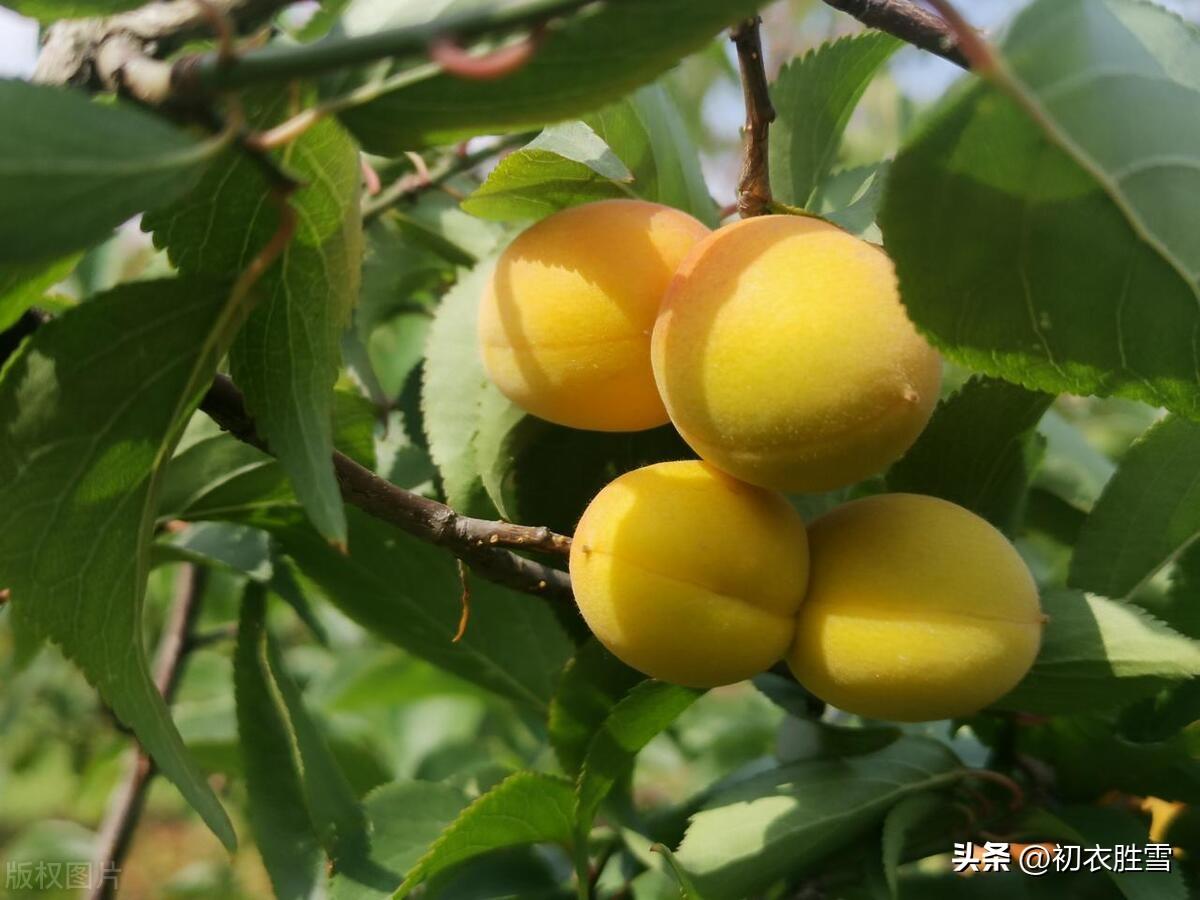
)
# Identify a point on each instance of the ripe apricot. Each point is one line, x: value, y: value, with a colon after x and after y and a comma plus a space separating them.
x: 785, y: 357
x: 917, y: 609
x: 565, y: 322
x: 689, y: 575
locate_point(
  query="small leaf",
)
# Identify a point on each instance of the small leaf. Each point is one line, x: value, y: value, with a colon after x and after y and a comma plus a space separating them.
x: 525, y: 808
x: 50, y: 10
x: 592, y: 683
x: 22, y: 285
x: 784, y: 821
x: 813, y: 98
x: 287, y: 355
x: 565, y: 165
x: 72, y: 170
x: 636, y: 719
x: 687, y: 890
x: 1148, y: 514
x: 903, y: 818
x: 219, y: 477
x: 406, y: 817
x: 452, y: 386
x: 1034, y: 243
x: 978, y: 450
x: 647, y: 131
x: 587, y: 59
x: 851, y: 198
x: 91, y: 407
x: 1099, y: 653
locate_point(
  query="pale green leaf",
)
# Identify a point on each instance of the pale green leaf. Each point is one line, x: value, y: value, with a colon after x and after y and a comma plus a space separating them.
x: 525, y: 808
x: 1039, y: 241
x: 23, y: 285
x: 1148, y: 514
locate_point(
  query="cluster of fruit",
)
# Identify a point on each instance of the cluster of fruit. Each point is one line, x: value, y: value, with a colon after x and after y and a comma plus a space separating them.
x: 780, y: 350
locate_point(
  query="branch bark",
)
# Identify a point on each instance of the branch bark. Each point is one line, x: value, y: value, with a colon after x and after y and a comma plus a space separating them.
x: 908, y: 21
x: 754, y: 184
x: 129, y: 799
x: 484, y: 545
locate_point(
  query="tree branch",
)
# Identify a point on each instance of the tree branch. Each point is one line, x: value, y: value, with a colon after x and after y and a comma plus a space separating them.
x: 908, y: 21
x: 129, y: 799
x: 484, y: 545
x: 754, y: 184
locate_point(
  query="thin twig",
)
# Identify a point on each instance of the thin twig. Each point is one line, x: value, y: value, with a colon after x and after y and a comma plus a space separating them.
x: 485, y: 545
x: 906, y: 20
x: 754, y: 184
x: 129, y: 799
x: 415, y: 183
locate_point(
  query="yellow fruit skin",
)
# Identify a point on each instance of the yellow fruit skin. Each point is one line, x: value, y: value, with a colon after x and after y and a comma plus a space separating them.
x: 689, y: 575
x: 564, y: 325
x: 785, y: 356
x: 917, y: 609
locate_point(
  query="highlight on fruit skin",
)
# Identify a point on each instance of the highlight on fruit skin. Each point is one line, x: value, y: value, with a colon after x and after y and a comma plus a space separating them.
x: 688, y: 575
x: 917, y: 609
x: 785, y: 357
x: 565, y: 322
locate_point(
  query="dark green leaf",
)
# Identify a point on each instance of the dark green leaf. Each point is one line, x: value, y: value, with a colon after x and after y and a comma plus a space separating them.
x: 592, y: 684
x: 608, y: 50
x: 406, y: 817
x: 72, y: 170
x: 786, y: 820
x: 903, y: 818
x: 648, y: 133
x: 526, y: 808
x: 1099, y: 653
x: 408, y: 591
x: 814, y: 96
x: 216, y: 476
x: 641, y: 714
x: 565, y: 165
x: 91, y: 407
x: 287, y: 355
x: 299, y: 800
x: 803, y: 739
x: 978, y: 450
x: 1148, y: 514
x: 1036, y: 242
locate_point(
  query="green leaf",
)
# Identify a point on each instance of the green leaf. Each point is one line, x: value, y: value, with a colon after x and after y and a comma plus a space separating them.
x: 647, y: 131
x: 851, y: 197
x: 237, y: 547
x: 784, y: 821
x: 91, y: 407
x: 901, y: 820
x: 525, y: 808
x: 1099, y: 653
x: 565, y: 165
x: 814, y: 96
x: 50, y: 10
x: 1055, y: 250
x: 406, y: 817
x: 452, y: 389
x: 636, y: 719
x: 72, y: 170
x: 592, y: 683
x: 408, y: 592
x: 1148, y: 514
x: 219, y: 477
x: 807, y: 739
x: 286, y: 357
x: 22, y: 285
x: 978, y: 450
x: 299, y: 800
x: 687, y: 890
x: 587, y: 59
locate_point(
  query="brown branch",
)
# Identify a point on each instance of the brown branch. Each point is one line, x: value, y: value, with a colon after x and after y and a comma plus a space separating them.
x: 129, y: 799
x: 117, y: 52
x: 973, y: 48
x: 754, y: 184
x: 908, y: 21
x: 484, y: 545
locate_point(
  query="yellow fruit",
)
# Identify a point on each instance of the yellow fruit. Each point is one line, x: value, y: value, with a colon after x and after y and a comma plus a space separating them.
x: 565, y: 322
x: 917, y: 609
x: 785, y: 357
x: 689, y: 575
